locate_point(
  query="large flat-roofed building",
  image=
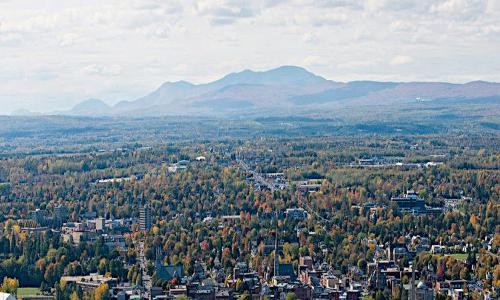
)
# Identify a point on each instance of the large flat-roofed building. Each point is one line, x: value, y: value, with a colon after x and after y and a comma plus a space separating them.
x: 296, y: 213
x: 90, y: 282
x: 410, y: 202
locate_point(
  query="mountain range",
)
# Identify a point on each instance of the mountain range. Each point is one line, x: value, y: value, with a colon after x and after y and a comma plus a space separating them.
x: 285, y: 89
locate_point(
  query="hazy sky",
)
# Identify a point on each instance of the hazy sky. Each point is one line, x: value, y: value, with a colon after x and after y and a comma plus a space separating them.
x: 54, y: 54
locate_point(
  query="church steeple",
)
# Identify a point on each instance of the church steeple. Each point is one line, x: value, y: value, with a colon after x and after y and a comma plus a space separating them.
x: 158, y: 258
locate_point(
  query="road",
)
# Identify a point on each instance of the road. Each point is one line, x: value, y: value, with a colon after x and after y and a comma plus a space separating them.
x: 257, y: 177
x: 146, y: 279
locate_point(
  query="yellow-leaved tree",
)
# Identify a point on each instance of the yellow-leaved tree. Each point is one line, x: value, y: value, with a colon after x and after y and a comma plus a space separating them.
x: 10, y: 285
x: 102, y: 292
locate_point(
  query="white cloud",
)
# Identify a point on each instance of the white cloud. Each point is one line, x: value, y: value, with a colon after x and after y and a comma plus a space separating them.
x: 313, y: 60
x: 491, y: 29
x: 402, y: 26
x: 310, y: 37
x: 462, y: 9
x: 103, y: 70
x: 223, y: 12
x: 68, y: 39
x: 10, y: 39
x: 122, y: 49
x: 401, y: 60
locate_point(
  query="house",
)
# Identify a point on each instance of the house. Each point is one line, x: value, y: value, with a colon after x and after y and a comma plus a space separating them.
x: 423, y: 292
x: 306, y: 261
x: 377, y: 273
x: 178, y: 290
x: 457, y: 294
x: 437, y: 249
x: 353, y: 294
x: 397, y: 251
x: 456, y: 284
x: 201, y: 293
x: 224, y: 294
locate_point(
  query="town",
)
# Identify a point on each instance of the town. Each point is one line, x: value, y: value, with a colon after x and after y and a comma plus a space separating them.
x: 250, y: 150
x: 244, y: 222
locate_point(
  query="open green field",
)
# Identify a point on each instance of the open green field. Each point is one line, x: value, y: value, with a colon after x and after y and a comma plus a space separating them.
x: 458, y: 256
x: 27, y: 291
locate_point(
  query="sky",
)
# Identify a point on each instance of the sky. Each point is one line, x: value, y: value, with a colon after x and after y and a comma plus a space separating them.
x: 54, y: 54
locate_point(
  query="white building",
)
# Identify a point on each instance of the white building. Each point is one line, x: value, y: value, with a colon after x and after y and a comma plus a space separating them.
x: 5, y: 296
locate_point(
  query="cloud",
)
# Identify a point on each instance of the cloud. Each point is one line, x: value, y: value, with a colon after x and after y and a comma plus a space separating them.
x: 356, y: 65
x: 68, y: 39
x: 493, y: 30
x: 102, y: 70
x: 310, y: 37
x: 401, y: 60
x: 161, y: 7
x: 392, y: 5
x: 313, y: 60
x: 308, y: 17
x: 105, y: 40
x: 460, y: 9
x: 227, y: 12
x: 41, y: 74
x: 332, y: 18
x: 181, y: 68
x: 402, y: 26
x: 10, y: 39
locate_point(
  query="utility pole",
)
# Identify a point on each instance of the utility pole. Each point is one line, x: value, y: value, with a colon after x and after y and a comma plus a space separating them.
x: 276, y: 257
x: 412, y: 282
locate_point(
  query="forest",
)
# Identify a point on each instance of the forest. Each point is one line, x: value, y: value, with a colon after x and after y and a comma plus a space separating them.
x: 351, y: 213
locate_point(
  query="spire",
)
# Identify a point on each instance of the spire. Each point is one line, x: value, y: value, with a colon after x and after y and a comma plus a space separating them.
x: 158, y: 258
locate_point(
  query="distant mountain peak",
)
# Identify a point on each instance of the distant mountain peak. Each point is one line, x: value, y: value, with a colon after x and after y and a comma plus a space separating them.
x: 90, y: 106
x: 290, y: 68
x: 24, y: 112
x: 91, y: 102
x: 284, y: 75
x: 479, y: 82
x: 180, y: 83
x: 287, y: 88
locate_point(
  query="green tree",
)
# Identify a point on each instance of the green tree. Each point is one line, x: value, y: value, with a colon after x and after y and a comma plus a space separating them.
x: 244, y: 296
x: 291, y: 296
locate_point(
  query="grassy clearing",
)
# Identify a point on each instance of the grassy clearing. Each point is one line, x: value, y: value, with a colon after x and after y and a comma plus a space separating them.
x: 27, y: 291
x: 458, y: 256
